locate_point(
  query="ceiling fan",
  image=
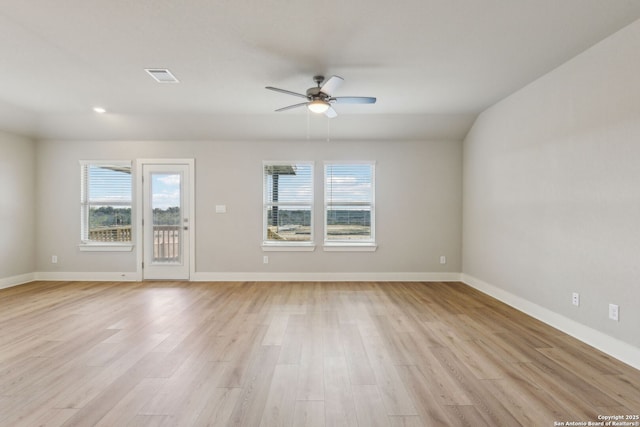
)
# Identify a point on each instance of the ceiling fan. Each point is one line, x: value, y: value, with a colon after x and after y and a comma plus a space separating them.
x: 320, y: 98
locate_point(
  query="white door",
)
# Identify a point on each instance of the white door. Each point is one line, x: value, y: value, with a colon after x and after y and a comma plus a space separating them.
x: 166, y: 221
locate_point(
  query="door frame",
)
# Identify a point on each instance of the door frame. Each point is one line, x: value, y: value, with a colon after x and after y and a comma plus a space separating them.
x: 139, y: 204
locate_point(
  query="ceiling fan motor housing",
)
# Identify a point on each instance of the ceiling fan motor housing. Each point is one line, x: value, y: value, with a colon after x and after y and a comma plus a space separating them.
x: 315, y: 93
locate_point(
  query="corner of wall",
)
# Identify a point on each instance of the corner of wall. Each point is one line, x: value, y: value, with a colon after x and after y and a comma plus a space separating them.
x: 603, y: 342
x: 21, y: 279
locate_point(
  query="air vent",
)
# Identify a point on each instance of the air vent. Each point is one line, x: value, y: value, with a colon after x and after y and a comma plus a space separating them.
x: 161, y: 75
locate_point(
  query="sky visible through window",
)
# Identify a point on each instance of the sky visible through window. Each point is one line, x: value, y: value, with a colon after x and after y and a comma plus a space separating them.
x: 348, y: 182
x: 109, y: 184
x: 343, y: 183
x: 166, y: 187
x: 293, y: 184
x: 166, y: 190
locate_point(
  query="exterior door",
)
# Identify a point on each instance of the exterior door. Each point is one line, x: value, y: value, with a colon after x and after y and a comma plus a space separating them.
x: 166, y: 221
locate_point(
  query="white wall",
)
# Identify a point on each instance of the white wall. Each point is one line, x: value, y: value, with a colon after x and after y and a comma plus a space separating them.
x: 17, y: 208
x: 552, y: 189
x: 418, y: 198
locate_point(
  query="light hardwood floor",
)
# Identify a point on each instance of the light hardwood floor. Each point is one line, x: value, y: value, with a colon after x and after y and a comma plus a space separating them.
x: 292, y: 354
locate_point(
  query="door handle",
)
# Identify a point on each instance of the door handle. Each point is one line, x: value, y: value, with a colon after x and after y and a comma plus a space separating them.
x: 185, y: 228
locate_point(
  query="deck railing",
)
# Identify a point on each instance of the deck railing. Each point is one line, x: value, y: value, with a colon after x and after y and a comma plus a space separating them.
x: 166, y: 239
x: 166, y: 243
x: 121, y: 233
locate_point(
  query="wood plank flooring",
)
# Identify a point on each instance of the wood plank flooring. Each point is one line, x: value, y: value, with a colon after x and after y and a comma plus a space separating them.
x: 292, y: 354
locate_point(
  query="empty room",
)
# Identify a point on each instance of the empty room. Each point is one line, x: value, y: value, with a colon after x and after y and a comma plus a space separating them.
x: 278, y: 213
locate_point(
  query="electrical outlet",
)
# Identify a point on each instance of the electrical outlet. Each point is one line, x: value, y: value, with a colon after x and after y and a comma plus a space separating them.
x: 575, y: 299
x: 614, y: 312
x: 265, y: 259
x: 443, y: 259
x: 54, y: 259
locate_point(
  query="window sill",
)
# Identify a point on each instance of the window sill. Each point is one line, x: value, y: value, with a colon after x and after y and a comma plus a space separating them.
x: 288, y: 247
x: 105, y: 247
x: 350, y: 247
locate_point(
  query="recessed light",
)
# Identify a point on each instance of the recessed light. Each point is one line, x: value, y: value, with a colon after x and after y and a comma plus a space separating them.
x: 161, y: 75
x: 99, y: 110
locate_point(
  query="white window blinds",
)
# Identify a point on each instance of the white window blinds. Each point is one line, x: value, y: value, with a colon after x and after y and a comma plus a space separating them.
x: 105, y: 201
x: 287, y: 202
x: 349, y: 202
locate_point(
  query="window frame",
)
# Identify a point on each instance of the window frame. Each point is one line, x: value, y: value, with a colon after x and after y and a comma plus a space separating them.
x: 287, y: 245
x: 95, y: 245
x: 368, y: 245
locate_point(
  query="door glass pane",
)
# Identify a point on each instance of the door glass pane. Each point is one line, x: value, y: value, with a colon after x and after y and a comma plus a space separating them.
x: 167, y: 217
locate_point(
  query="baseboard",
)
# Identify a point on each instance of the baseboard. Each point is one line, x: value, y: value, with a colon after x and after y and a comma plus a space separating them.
x: 8, y: 282
x: 603, y: 342
x: 87, y: 276
x: 257, y: 277
x: 325, y: 277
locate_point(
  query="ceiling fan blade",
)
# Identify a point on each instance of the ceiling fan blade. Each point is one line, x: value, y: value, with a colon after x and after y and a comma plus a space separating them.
x: 292, y: 106
x: 288, y: 92
x: 331, y: 113
x: 354, y: 100
x: 331, y: 85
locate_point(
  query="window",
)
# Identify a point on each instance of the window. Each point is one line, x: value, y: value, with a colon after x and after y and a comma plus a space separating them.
x: 105, y: 204
x: 349, y: 205
x: 287, y: 204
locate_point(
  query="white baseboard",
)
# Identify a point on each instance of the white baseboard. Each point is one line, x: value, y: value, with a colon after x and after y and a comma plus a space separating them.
x: 251, y: 277
x: 20, y: 279
x: 88, y: 276
x: 603, y: 342
x: 325, y: 277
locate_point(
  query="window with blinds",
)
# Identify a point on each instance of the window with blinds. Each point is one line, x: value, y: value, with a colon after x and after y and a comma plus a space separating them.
x: 105, y: 202
x: 349, y: 203
x: 287, y: 202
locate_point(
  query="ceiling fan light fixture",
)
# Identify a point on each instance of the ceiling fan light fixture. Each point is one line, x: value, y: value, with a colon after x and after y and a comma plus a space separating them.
x: 319, y: 100
x: 318, y: 106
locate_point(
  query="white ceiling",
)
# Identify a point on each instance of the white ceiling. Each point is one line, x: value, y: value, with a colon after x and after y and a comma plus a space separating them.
x: 432, y: 64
